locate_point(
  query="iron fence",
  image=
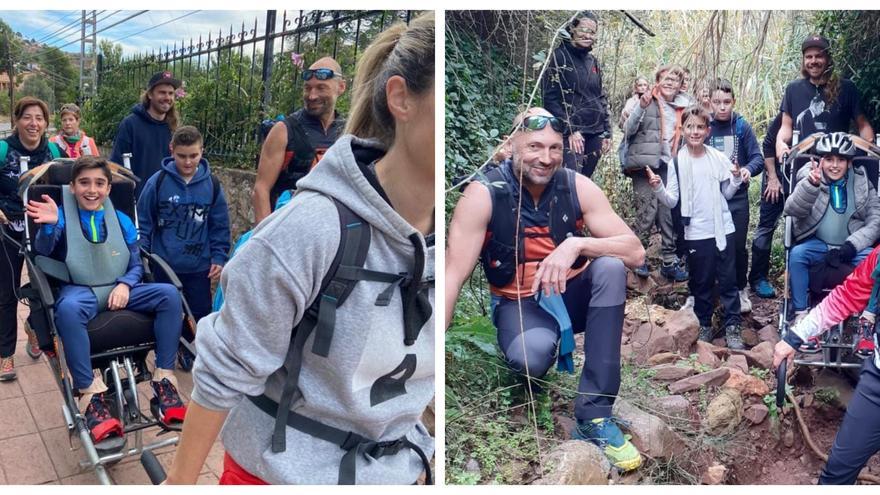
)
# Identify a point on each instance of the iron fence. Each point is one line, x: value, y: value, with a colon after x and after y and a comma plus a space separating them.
x: 237, y: 77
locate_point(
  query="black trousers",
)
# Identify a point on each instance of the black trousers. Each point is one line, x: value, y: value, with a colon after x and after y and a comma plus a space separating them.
x: 595, y: 301
x: 739, y: 210
x: 768, y: 219
x: 584, y: 163
x: 11, y: 264
x: 707, y: 265
x: 859, y: 435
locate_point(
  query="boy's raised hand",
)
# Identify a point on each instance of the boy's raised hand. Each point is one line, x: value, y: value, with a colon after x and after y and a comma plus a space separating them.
x: 815, y: 176
x: 44, y: 212
x: 737, y: 171
x: 646, y: 97
x: 653, y: 179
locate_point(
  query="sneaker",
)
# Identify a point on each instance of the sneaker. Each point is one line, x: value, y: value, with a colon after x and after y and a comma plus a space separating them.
x: 605, y: 433
x: 33, y: 347
x: 688, y: 304
x: 642, y: 271
x: 865, y: 346
x: 763, y: 289
x: 745, y: 304
x: 811, y: 346
x: 674, y: 271
x: 170, y: 407
x: 7, y: 369
x: 100, y: 420
x: 707, y: 333
x: 733, y: 336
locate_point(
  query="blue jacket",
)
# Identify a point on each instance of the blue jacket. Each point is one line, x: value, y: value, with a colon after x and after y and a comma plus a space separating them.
x: 146, y: 138
x: 50, y: 239
x: 747, y: 149
x: 179, y: 223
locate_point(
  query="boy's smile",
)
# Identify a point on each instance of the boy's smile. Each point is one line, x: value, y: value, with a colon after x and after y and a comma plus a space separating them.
x: 90, y: 189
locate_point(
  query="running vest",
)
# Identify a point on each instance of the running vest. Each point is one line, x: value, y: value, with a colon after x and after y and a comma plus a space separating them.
x: 96, y: 265
x: 84, y: 147
x: 299, y: 158
x: 542, y: 228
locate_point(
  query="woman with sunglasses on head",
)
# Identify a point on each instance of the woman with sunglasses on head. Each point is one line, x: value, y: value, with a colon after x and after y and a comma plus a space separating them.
x: 324, y: 381
x: 573, y: 93
x: 71, y: 138
x: 28, y: 141
x: 298, y: 142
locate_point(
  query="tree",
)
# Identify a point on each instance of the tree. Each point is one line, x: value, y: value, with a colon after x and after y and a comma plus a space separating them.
x: 60, y: 74
x: 37, y: 87
x: 10, y: 52
x: 111, y: 52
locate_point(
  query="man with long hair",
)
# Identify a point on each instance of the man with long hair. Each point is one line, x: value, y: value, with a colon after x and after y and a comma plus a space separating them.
x: 821, y: 101
x: 146, y: 131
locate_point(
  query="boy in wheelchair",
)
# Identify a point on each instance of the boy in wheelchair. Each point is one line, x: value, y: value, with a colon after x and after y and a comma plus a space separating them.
x: 836, y: 217
x: 110, y: 249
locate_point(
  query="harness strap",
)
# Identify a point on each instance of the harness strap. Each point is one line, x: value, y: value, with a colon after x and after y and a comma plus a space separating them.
x: 353, y: 443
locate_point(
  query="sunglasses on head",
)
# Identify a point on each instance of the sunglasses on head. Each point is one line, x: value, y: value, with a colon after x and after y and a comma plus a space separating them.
x: 538, y: 122
x: 319, y: 74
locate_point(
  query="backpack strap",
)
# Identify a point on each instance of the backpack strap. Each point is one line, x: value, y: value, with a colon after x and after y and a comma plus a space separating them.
x: 4, y: 149
x: 155, y: 210
x: 54, y: 150
x: 215, y: 189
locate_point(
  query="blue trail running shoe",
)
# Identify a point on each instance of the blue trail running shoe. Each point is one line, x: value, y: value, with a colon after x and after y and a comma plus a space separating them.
x: 763, y: 289
x: 605, y: 433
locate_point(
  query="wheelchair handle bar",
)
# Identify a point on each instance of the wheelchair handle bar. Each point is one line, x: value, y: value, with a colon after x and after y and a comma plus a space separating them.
x: 780, y: 383
x: 153, y: 468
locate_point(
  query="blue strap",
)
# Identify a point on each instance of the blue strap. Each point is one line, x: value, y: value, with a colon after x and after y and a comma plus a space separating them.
x: 555, y: 306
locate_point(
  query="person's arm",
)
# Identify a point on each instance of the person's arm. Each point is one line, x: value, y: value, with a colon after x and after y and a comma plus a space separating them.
x: 218, y: 230
x: 271, y: 161
x: 551, y: 90
x: 754, y: 161
x: 121, y: 142
x: 783, y: 138
x: 730, y: 186
x: 51, y: 218
x: 635, y: 117
x: 868, y: 234
x: 200, y: 429
x: 146, y: 205
x: 467, y: 232
x: 668, y: 193
x: 865, y: 129
x: 800, y: 203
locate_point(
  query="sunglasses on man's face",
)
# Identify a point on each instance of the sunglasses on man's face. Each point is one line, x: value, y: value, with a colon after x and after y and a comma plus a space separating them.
x: 319, y: 74
x: 538, y: 122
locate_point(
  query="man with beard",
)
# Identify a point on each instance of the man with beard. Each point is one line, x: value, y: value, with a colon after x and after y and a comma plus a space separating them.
x: 297, y: 143
x: 820, y: 101
x: 543, y: 287
x: 572, y: 89
x: 146, y: 131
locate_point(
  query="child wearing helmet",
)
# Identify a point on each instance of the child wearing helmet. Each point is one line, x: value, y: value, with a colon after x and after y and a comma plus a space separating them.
x: 835, y: 211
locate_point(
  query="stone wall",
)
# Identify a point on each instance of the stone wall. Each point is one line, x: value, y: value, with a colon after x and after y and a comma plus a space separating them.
x: 238, y: 185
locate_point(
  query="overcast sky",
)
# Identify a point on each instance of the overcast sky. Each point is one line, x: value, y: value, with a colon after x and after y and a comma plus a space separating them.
x: 39, y: 24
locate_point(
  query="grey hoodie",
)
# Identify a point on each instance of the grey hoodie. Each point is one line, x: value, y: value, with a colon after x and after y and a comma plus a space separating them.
x: 268, y: 286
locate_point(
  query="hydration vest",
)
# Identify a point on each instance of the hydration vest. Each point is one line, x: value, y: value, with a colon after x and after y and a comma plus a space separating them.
x: 556, y: 217
x: 299, y: 158
x: 84, y: 147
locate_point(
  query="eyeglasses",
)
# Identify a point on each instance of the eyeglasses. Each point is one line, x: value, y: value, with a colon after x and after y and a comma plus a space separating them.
x: 538, y: 122
x: 319, y: 74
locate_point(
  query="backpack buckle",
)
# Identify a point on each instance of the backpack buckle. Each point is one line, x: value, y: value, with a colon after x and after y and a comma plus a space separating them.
x: 380, y: 449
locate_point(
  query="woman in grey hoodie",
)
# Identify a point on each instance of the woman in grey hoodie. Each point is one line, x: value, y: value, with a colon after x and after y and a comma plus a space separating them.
x: 358, y: 395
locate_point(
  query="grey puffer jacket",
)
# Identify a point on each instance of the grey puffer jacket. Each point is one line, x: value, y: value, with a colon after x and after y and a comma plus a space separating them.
x: 642, y: 133
x: 808, y: 203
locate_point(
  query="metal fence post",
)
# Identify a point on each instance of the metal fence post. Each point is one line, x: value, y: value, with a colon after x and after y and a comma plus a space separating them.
x: 268, y: 58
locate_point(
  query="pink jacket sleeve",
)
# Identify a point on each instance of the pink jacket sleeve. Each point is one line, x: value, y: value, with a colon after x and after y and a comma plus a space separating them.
x: 850, y: 297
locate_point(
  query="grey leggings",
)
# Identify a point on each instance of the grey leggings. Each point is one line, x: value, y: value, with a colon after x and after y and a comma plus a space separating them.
x: 595, y: 301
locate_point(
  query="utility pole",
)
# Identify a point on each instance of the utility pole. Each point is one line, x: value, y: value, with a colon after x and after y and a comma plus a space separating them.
x: 10, y: 71
x: 87, y: 80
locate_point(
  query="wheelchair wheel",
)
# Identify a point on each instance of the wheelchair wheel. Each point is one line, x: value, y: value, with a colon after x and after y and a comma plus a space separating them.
x: 185, y: 359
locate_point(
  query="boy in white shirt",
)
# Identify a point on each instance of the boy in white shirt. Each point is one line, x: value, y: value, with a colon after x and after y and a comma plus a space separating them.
x: 705, y: 179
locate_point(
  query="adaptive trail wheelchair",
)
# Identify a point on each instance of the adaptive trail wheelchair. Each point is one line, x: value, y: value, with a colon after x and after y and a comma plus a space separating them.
x: 837, y: 347
x: 120, y: 340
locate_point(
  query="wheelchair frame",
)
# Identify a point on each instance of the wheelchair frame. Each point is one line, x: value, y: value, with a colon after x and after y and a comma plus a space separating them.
x: 113, y: 361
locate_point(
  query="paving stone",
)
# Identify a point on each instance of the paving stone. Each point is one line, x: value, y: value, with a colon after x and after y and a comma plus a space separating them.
x: 129, y: 473
x: 16, y: 418
x: 46, y: 409
x: 2, y: 476
x: 207, y: 479
x: 36, y: 379
x: 66, y: 461
x: 9, y: 390
x: 25, y: 461
x: 87, y: 478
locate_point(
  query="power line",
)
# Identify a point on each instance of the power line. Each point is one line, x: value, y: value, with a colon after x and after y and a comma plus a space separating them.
x: 154, y: 27
x: 59, y: 30
x: 61, y: 18
x: 106, y: 28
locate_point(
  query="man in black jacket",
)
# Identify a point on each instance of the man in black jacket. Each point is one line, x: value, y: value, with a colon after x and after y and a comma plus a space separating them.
x: 572, y: 89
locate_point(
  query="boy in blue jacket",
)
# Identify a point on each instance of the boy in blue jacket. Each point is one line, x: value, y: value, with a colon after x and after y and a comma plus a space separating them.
x: 184, y: 219
x: 78, y: 302
x: 730, y: 134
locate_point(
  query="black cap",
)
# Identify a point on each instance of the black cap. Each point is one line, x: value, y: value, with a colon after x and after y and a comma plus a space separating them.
x: 164, y: 77
x: 815, y: 41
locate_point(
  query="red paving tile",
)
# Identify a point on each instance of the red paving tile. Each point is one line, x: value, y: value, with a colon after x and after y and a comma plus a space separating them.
x: 65, y: 460
x: 25, y: 461
x: 37, y: 378
x: 129, y: 473
x: 17, y: 419
x: 9, y: 390
x: 46, y: 409
x: 81, y: 479
x: 207, y: 479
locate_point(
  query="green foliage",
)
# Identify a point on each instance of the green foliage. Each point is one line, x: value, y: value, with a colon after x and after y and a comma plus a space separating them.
x: 38, y: 88
x: 856, y: 52
x: 111, y: 52
x: 827, y: 395
x: 759, y: 372
x: 102, y: 114
x: 58, y: 71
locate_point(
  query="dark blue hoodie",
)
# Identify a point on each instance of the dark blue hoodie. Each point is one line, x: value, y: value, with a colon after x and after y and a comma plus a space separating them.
x: 146, y: 138
x: 189, y: 233
x: 740, y: 137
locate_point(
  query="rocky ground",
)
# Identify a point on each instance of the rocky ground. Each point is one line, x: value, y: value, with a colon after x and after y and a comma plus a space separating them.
x: 699, y: 412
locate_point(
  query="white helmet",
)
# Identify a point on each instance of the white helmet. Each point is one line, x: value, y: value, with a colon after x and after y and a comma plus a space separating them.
x: 836, y: 143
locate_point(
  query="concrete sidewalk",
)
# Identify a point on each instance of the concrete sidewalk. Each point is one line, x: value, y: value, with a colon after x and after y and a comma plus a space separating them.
x: 34, y: 445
